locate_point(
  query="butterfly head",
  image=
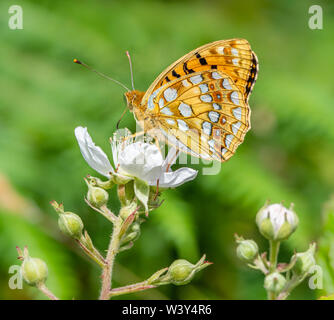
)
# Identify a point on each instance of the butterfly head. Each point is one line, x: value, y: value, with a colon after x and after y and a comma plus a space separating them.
x: 133, y: 99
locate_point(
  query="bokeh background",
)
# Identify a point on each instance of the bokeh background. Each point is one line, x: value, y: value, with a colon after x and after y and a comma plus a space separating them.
x: 288, y: 155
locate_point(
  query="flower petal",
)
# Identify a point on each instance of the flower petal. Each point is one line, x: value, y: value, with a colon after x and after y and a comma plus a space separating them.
x: 141, y: 160
x: 93, y: 154
x: 171, y: 158
x: 175, y: 178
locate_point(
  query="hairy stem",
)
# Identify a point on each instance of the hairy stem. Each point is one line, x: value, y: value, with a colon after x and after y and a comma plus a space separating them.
x: 43, y: 288
x: 110, y: 258
x: 274, y: 248
x: 93, y: 255
x: 140, y: 286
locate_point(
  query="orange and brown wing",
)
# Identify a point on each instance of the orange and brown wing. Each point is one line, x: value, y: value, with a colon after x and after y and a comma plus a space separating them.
x: 203, y: 114
x: 233, y: 57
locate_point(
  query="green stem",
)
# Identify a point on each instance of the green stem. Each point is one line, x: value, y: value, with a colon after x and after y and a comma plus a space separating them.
x: 43, y: 288
x: 274, y: 248
x: 110, y: 258
x: 140, y: 286
x: 93, y: 255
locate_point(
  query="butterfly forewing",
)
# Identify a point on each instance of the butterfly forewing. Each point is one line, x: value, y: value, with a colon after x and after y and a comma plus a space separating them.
x: 233, y: 57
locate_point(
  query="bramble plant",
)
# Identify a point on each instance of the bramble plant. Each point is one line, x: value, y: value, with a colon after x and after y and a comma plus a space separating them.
x: 140, y: 174
x: 276, y: 223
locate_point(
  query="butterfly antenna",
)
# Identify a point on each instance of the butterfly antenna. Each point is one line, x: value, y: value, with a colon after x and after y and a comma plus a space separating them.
x: 101, y: 74
x: 131, y: 71
x: 119, y: 121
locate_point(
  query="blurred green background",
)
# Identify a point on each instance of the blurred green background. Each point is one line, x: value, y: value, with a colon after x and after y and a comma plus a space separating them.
x: 288, y: 155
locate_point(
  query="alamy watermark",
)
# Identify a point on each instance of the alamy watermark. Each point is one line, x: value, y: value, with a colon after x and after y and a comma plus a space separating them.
x: 15, y: 21
x: 315, y: 21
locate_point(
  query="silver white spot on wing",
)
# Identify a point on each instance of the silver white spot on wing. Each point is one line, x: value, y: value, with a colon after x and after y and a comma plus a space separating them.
x: 216, y: 106
x: 170, y: 121
x: 182, y: 125
x: 224, y: 151
x: 228, y: 140
x: 235, y: 61
x: 185, y: 83
x: 196, y: 79
x: 170, y: 94
x: 204, y: 87
x: 185, y: 109
x: 213, y: 116
x: 167, y: 111
x: 161, y: 103
x: 150, y: 104
x: 234, y: 51
x: 235, y: 97
x: 206, y: 98
x: 226, y: 84
x: 220, y: 50
x: 207, y: 127
x: 216, y: 75
x: 237, y: 113
x: 236, y: 127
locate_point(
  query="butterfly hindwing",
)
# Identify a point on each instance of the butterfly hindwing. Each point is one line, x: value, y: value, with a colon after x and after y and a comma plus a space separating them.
x: 204, y: 112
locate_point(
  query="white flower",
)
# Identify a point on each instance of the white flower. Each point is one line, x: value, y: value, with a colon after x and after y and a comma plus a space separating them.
x: 133, y: 160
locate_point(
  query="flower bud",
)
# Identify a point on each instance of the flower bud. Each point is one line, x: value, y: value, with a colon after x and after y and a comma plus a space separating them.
x: 274, y: 282
x: 127, y: 210
x: 247, y: 250
x: 304, y: 261
x: 34, y: 270
x: 276, y: 222
x: 71, y: 224
x: 97, y: 197
x: 181, y: 272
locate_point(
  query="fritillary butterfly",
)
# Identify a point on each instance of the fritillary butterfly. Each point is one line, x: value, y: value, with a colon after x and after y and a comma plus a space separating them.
x: 199, y: 104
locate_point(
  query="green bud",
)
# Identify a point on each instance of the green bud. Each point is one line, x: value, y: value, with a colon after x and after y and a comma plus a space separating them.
x: 304, y: 261
x: 274, y: 282
x: 34, y: 270
x: 97, y: 197
x: 127, y: 210
x: 71, y: 224
x: 247, y: 250
x: 181, y: 272
x: 276, y: 222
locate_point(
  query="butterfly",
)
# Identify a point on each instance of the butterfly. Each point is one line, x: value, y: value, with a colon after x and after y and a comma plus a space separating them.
x: 199, y: 104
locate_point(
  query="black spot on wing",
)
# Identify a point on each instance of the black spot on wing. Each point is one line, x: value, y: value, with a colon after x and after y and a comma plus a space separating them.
x: 252, y: 76
x: 175, y: 74
x: 186, y: 70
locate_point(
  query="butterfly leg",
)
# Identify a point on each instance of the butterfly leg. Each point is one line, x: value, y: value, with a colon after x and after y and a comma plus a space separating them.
x: 134, y: 136
x: 172, y: 159
x: 157, y: 192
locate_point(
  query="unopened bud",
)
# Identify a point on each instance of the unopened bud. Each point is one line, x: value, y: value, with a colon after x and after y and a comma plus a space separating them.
x: 182, y: 271
x: 126, y: 211
x: 247, y: 250
x: 71, y: 224
x: 305, y: 261
x: 276, y: 222
x: 96, y: 196
x: 274, y: 282
x: 34, y: 270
